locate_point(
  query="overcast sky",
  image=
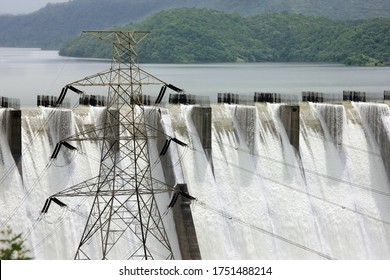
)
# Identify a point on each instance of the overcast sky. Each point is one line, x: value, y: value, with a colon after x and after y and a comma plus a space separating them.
x: 23, y: 6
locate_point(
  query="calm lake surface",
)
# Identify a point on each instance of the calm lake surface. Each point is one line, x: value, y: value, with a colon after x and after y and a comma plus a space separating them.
x: 26, y: 73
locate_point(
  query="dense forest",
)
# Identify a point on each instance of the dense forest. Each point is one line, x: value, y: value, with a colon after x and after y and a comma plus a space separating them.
x: 52, y: 25
x: 199, y: 35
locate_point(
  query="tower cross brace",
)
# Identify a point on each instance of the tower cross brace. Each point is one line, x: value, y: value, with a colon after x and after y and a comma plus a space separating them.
x: 124, y: 218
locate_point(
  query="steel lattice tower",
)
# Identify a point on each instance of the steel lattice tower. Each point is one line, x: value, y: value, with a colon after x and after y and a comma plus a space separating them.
x: 124, y: 212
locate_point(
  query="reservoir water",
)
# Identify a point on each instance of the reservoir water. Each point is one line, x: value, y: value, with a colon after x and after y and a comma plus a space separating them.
x: 26, y: 73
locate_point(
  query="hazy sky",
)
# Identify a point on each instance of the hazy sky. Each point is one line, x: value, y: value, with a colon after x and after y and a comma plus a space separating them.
x: 23, y: 6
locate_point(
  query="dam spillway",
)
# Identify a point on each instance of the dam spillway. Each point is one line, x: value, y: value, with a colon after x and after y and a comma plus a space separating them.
x: 272, y: 181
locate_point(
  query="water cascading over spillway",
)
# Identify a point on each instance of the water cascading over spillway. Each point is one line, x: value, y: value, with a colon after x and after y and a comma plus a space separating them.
x: 42, y: 129
x: 264, y: 199
x: 258, y: 197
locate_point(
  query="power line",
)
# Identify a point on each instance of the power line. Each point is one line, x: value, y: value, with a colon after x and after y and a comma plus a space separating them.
x: 308, y: 171
x: 264, y: 231
x: 343, y: 207
x: 25, y: 196
x: 283, y: 163
x: 28, y: 146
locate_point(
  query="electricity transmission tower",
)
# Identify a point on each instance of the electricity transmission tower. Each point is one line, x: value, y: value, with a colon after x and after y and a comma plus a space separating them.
x: 124, y: 216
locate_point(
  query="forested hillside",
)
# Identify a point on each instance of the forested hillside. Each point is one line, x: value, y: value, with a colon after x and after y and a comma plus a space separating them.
x: 49, y: 27
x: 200, y: 35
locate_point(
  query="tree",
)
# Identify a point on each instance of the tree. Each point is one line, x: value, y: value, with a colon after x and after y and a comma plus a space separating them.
x: 12, y: 246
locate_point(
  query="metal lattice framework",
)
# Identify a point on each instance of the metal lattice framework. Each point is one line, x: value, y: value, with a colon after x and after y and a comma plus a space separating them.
x: 124, y: 216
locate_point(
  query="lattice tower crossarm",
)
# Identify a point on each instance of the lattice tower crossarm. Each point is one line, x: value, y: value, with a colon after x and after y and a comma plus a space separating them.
x: 124, y: 217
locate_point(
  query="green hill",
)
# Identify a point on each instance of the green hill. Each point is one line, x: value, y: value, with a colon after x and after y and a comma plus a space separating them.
x: 52, y: 25
x: 200, y: 35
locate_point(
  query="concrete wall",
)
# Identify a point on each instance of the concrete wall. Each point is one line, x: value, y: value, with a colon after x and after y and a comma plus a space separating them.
x: 290, y: 114
x: 185, y: 227
x: 184, y: 223
x: 14, y: 129
x: 202, y: 117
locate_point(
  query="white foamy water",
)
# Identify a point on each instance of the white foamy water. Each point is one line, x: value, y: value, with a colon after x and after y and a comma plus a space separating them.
x: 269, y: 201
x: 257, y: 197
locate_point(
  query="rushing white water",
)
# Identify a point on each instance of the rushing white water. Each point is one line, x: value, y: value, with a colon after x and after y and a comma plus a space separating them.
x: 257, y: 196
x: 331, y: 197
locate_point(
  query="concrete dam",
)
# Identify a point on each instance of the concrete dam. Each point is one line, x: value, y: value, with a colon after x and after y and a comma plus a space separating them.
x: 289, y: 180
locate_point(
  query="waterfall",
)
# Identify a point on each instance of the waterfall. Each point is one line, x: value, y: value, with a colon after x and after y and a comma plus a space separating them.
x: 42, y: 128
x: 258, y: 196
